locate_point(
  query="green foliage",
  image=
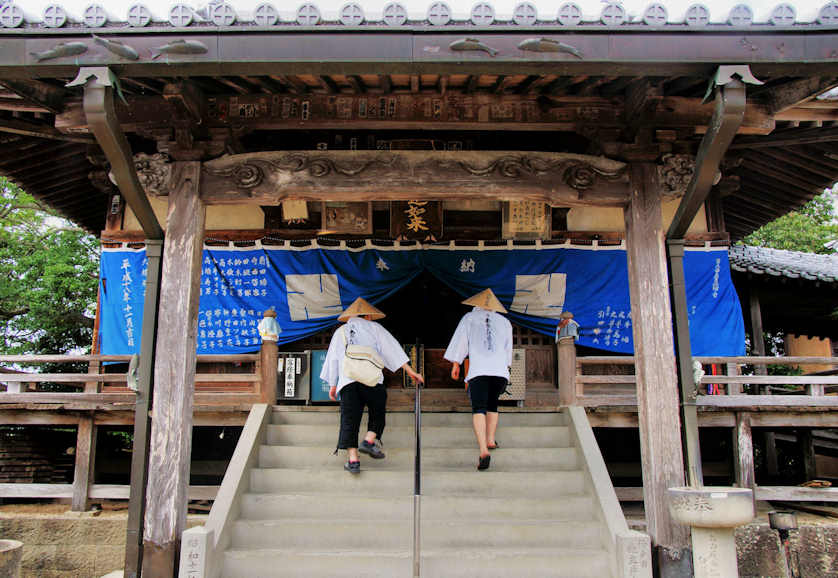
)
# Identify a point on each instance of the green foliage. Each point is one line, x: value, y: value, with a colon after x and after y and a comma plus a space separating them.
x: 48, y: 278
x: 805, y: 230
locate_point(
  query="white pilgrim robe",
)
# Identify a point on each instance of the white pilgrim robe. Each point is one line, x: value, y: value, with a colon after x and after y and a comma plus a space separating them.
x: 486, y: 338
x: 359, y: 331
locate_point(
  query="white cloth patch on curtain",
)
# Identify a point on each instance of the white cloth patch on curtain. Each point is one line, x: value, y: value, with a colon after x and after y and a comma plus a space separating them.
x: 312, y: 296
x: 540, y: 295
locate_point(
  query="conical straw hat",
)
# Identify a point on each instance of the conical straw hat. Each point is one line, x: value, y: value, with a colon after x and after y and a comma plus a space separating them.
x: 360, y: 307
x: 485, y: 300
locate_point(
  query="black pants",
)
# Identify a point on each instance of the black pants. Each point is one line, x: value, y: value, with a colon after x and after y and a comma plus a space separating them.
x: 353, y: 398
x: 484, y: 391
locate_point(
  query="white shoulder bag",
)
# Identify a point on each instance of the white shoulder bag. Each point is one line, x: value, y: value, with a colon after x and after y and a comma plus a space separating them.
x: 362, y: 363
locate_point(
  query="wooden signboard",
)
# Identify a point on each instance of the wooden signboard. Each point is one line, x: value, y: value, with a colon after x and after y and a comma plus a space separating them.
x: 526, y: 220
x: 420, y: 220
x: 346, y: 218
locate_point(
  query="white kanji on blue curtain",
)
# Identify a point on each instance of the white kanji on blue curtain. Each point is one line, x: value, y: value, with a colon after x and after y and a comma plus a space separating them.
x: 540, y: 295
x: 313, y: 296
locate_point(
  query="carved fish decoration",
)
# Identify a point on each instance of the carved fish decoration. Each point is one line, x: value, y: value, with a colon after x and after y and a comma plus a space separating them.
x: 470, y: 44
x: 548, y: 45
x: 60, y: 51
x: 117, y: 47
x: 180, y: 47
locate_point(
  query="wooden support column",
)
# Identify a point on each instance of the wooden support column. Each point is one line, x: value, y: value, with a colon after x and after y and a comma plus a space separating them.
x: 807, y: 445
x: 772, y: 466
x: 743, y: 451
x: 85, y: 457
x: 174, y: 374
x: 654, y: 352
x: 757, y: 337
x: 567, y: 370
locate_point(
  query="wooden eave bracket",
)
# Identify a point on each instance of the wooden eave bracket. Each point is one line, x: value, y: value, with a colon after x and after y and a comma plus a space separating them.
x: 728, y: 114
x: 99, y: 84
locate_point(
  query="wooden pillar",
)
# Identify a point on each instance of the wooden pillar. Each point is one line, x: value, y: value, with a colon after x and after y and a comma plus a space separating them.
x: 807, y: 445
x: 743, y: 451
x: 757, y: 337
x: 85, y: 457
x: 267, y: 360
x: 772, y: 467
x: 174, y: 374
x: 654, y: 353
x: 567, y: 370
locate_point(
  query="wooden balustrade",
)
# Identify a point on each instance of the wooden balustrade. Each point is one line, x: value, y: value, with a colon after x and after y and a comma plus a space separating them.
x: 614, y: 384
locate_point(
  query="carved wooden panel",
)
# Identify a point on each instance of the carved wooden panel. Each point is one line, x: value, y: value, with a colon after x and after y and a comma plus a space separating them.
x: 420, y: 220
x: 268, y: 178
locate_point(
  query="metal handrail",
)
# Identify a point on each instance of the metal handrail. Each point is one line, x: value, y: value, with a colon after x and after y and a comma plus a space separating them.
x: 417, y: 473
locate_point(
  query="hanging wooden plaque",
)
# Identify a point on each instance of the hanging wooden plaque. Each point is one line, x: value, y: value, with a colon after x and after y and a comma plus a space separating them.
x: 346, y: 218
x: 420, y: 220
x: 526, y: 220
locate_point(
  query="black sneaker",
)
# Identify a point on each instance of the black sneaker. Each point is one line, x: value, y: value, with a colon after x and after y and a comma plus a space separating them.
x: 371, y: 450
x: 352, y: 467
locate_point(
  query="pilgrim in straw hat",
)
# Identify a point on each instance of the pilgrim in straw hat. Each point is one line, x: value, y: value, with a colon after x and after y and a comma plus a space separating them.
x: 485, y: 300
x: 359, y: 308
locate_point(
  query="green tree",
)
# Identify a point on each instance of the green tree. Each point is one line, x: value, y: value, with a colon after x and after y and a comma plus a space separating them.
x: 806, y: 230
x: 48, y: 278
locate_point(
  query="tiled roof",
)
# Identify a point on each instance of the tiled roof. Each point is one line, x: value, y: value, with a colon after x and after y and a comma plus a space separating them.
x: 439, y: 13
x: 780, y: 263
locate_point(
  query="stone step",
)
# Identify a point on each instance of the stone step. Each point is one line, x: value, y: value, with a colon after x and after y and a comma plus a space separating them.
x: 432, y: 436
x: 567, y: 507
x: 402, y: 418
x: 370, y: 534
x: 330, y: 482
x: 498, y: 484
x: 503, y: 459
x: 268, y: 563
x: 280, y: 506
x: 500, y: 534
x: 517, y: 562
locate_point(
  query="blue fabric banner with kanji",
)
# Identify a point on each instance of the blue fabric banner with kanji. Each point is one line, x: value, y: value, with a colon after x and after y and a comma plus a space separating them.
x: 309, y: 286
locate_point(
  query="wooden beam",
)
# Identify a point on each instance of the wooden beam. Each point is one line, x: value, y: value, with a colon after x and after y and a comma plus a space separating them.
x: 267, y: 178
x: 807, y: 447
x: 481, y: 111
x: 41, y: 94
x: 657, y: 394
x: 174, y: 373
x: 727, y: 117
x: 780, y: 141
x: 757, y: 335
x: 25, y: 128
x: 790, y: 94
x: 101, y: 116
x: 187, y: 98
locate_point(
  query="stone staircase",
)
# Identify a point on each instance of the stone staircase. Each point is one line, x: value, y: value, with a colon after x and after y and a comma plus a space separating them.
x: 533, y: 513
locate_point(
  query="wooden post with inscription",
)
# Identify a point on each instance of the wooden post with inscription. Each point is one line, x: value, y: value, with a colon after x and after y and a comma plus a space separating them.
x: 657, y: 383
x: 174, y: 374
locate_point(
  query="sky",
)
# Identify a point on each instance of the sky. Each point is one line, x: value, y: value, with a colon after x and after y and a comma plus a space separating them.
x: 807, y: 10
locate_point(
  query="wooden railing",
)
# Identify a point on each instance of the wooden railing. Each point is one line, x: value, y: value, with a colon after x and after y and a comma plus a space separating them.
x: 226, y: 386
x: 610, y: 381
x: 219, y: 381
x: 596, y: 381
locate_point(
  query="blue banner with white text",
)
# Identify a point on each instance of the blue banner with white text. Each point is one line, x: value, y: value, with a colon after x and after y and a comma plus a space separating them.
x: 309, y: 286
